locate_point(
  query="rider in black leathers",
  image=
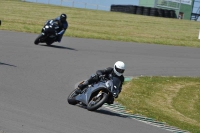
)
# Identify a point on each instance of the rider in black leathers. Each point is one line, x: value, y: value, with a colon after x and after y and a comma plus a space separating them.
x: 63, y: 25
x: 116, y: 71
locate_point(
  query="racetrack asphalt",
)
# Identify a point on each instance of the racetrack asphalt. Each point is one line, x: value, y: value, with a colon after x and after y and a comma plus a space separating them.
x: 35, y: 81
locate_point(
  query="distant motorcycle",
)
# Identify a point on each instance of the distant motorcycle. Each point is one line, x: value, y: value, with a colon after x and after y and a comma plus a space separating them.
x: 94, y: 96
x: 48, y: 33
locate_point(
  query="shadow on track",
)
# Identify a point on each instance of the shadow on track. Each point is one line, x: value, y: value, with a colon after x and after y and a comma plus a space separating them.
x: 107, y: 112
x: 104, y: 111
x: 59, y: 47
x: 7, y: 64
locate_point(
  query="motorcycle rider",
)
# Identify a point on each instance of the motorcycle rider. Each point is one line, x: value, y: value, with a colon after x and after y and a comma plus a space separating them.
x: 63, y: 25
x: 116, y: 71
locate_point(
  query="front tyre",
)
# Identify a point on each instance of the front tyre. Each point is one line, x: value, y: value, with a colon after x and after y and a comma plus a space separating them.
x: 97, y: 102
x: 71, y: 98
x: 37, y: 40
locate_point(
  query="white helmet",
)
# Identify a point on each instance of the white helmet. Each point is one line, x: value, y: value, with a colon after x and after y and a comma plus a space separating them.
x: 119, y: 68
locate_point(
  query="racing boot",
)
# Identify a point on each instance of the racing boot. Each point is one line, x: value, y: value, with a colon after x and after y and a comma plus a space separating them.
x: 81, y: 87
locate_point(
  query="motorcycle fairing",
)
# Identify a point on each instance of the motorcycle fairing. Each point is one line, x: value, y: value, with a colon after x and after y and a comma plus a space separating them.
x: 85, y: 96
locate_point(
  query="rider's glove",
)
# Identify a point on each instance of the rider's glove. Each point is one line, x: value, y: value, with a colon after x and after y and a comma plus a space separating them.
x: 95, y: 77
x: 101, y: 76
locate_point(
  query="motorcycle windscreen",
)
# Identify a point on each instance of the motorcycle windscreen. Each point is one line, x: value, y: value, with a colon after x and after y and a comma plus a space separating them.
x: 116, y: 82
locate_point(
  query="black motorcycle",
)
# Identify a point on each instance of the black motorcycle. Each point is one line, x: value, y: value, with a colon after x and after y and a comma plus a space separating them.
x: 48, y: 33
x: 95, y: 95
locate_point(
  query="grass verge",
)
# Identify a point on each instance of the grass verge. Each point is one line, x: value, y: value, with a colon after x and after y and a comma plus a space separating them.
x: 83, y: 23
x: 174, y: 100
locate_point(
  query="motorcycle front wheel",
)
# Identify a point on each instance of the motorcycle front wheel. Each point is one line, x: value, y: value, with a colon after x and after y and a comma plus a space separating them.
x: 97, y: 102
x: 71, y: 98
x: 37, y: 40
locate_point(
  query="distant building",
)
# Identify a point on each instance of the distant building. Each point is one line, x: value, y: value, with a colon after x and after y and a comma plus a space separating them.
x: 183, y: 8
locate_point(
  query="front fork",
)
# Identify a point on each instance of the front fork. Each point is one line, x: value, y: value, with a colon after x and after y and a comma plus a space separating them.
x: 99, y: 94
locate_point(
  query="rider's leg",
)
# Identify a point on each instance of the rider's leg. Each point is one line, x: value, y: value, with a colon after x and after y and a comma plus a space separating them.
x: 59, y: 38
x: 91, y: 80
x: 83, y: 85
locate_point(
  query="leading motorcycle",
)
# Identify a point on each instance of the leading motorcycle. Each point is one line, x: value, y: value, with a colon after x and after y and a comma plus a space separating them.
x: 95, y: 95
x: 48, y: 33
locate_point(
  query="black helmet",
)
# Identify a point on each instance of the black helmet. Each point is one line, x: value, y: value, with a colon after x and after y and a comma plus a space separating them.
x: 63, y: 17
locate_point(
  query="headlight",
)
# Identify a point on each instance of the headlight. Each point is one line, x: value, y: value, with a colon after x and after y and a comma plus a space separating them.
x: 47, y: 26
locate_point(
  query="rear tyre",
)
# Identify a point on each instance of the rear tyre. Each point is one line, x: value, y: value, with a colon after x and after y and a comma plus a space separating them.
x: 37, y: 40
x: 96, y: 103
x: 71, y: 98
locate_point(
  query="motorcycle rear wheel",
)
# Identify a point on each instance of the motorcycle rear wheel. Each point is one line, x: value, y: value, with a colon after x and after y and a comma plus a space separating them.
x: 71, y: 100
x: 94, y: 103
x: 37, y: 40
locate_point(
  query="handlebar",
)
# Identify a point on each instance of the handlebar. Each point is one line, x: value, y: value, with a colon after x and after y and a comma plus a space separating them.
x: 103, y: 77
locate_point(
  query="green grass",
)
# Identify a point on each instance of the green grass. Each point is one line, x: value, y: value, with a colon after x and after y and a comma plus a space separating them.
x: 30, y: 17
x: 174, y: 100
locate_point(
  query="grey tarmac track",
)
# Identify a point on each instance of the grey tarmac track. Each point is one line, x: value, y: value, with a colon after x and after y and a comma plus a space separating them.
x: 35, y: 81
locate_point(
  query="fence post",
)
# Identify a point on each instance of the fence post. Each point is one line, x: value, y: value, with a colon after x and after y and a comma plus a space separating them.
x: 199, y: 35
x: 61, y: 2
